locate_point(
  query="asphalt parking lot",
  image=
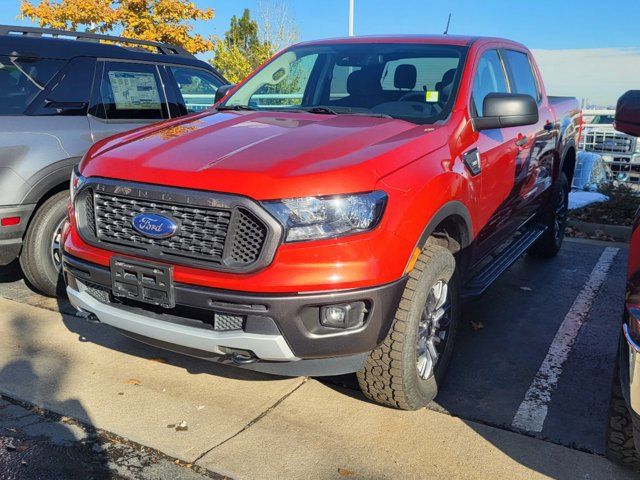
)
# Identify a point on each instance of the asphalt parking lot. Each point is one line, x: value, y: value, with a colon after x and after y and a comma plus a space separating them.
x: 246, y: 425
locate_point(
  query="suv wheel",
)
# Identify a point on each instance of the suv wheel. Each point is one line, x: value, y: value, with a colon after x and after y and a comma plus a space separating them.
x: 555, y: 219
x: 405, y: 370
x: 41, y: 257
x: 620, y: 443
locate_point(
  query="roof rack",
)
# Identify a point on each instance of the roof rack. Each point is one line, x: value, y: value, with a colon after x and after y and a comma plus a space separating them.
x: 162, y: 48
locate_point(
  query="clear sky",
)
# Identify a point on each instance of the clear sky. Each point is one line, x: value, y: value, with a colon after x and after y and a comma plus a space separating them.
x: 586, y: 48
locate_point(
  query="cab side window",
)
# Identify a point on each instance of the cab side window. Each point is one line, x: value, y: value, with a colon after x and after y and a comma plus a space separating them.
x: 521, y: 74
x: 129, y: 91
x: 490, y: 78
x: 197, y: 88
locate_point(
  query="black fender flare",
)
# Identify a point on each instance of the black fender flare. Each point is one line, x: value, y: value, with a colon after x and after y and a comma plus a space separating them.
x: 565, y: 150
x: 50, y: 178
x: 453, y: 208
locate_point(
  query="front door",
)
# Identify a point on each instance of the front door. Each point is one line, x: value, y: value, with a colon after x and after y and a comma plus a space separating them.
x: 496, y: 151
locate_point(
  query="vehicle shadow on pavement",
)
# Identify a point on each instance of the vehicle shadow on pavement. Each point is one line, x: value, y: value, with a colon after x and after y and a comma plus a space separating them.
x: 108, y: 337
x: 32, y: 445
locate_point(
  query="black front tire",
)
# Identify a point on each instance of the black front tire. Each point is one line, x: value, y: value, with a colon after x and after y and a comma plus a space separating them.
x: 555, y: 219
x: 620, y: 439
x: 36, y: 259
x: 390, y: 375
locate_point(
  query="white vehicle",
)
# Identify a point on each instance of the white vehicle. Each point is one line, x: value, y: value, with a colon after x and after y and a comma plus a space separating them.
x: 620, y: 152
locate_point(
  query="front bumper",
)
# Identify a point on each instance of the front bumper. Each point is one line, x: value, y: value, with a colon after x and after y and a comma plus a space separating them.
x: 11, y: 236
x: 282, y: 332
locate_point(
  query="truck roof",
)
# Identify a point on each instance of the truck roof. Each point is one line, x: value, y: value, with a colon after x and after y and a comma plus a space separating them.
x: 461, y: 40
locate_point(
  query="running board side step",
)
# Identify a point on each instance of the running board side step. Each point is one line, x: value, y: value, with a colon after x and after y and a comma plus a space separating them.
x: 478, y: 284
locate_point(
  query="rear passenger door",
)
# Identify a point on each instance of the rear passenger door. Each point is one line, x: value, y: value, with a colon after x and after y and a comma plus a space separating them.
x: 126, y: 95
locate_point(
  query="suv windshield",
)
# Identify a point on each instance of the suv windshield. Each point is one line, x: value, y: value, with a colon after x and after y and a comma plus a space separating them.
x: 414, y: 82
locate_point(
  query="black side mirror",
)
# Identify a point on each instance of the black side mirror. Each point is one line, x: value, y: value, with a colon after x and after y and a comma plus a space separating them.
x: 628, y: 113
x: 502, y: 110
x: 222, y: 92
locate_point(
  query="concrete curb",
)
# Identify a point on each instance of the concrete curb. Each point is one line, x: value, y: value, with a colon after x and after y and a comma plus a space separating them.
x: 617, y: 232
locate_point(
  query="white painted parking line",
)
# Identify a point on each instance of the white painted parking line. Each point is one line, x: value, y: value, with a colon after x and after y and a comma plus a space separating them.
x: 533, y: 410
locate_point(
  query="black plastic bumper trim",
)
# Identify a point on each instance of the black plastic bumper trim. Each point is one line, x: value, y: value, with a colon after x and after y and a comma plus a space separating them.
x: 295, y: 315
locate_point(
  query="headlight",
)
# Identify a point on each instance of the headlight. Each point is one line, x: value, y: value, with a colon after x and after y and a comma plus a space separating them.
x: 76, y: 181
x: 315, y: 218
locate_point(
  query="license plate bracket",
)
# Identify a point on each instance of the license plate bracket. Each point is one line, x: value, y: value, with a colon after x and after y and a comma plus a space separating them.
x: 143, y: 282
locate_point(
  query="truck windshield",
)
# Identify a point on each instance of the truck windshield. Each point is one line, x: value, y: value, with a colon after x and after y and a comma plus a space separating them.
x: 413, y: 82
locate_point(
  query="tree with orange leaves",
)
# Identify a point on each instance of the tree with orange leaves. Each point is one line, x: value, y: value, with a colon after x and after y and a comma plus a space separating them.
x: 155, y: 20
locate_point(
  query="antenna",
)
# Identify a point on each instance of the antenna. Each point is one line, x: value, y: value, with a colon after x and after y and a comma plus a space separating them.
x: 446, y: 30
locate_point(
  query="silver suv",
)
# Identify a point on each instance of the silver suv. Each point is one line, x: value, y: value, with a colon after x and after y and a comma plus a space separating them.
x: 59, y: 93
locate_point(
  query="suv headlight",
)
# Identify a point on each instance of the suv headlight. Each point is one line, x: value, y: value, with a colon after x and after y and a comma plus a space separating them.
x: 315, y: 218
x: 76, y: 182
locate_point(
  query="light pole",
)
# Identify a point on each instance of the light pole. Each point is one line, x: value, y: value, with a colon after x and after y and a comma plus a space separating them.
x: 351, y: 9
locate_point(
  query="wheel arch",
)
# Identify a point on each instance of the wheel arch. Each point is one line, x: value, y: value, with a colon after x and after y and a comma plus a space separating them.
x: 568, y: 161
x: 451, y: 225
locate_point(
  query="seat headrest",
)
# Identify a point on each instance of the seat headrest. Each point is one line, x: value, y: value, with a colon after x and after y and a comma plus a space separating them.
x: 448, y: 77
x: 405, y: 77
x: 363, y: 82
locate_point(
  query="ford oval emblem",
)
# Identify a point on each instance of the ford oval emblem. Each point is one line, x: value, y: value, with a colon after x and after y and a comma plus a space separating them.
x: 154, y: 225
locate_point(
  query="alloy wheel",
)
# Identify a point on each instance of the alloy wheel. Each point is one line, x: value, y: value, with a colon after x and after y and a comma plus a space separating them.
x: 433, y: 329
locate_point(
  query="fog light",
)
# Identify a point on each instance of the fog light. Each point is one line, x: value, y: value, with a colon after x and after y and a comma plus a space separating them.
x: 347, y: 315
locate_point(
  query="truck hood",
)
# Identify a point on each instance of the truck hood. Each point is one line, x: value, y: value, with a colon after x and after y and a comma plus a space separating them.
x: 264, y: 155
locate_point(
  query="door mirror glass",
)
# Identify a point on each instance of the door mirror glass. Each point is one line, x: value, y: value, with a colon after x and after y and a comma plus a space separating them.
x: 503, y: 110
x: 222, y: 92
x: 628, y: 113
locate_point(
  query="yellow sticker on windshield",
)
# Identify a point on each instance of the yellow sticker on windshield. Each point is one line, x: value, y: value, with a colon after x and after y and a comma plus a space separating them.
x: 432, y: 96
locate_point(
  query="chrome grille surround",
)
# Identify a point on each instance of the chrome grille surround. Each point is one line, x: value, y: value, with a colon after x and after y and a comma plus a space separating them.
x: 215, y: 231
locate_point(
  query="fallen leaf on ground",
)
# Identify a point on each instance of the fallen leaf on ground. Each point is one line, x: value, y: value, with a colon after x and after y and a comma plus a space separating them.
x: 133, y: 381
x: 477, y: 325
x: 182, y: 426
x: 343, y: 472
x: 158, y: 359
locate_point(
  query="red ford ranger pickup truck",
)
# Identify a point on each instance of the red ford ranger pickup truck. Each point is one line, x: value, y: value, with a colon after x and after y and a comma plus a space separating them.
x: 330, y: 212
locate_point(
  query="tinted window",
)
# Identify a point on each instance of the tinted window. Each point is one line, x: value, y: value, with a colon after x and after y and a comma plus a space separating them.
x: 523, y: 79
x: 197, y: 87
x: 489, y: 78
x: 22, y: 79
x: 69, y: 91
x: 409, y: 81
x: 129, y: 91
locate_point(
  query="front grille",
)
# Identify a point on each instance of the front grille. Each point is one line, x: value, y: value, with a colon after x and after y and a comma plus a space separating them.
x: 201, y: 233
x: 607, y: 142
x: 216, y: 231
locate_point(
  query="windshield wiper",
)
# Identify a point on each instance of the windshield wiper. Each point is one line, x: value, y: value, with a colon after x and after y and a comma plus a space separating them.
x: 372, y: 114
x: 236, y: 107
x: 321, y: 110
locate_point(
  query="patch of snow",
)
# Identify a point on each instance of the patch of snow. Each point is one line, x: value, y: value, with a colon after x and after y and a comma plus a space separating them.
x: 581, y: 199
